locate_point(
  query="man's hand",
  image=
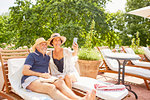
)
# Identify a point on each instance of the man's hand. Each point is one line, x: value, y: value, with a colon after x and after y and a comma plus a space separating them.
x: 45, y: 75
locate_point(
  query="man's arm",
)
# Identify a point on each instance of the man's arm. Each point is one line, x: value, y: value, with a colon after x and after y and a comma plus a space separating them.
x: 26, y: 71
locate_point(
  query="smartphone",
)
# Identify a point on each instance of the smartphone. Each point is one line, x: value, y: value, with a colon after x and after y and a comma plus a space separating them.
x: 75, y: 40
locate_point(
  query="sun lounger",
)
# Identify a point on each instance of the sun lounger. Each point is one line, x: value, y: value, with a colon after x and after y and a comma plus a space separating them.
x: 147, y: 53
x: 136, y: 63
x: 111, y: 66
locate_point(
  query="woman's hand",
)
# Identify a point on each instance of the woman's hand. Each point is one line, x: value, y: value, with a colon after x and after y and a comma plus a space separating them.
x: 45, y: 75
x: 75, y: 48
x: 73, y: 78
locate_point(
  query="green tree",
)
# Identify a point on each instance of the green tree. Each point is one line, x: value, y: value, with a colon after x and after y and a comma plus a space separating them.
x: 5, y: 34
x: 71, y: 18
x: 116, y: 25
x: 27, y: 23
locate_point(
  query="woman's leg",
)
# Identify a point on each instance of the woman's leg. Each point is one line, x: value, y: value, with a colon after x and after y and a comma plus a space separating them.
x: 47, y: 88
x: 60, y: 84
x: 68, y: 81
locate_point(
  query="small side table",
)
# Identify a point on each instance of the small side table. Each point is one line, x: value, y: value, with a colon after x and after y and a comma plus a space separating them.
x: 125, y: 57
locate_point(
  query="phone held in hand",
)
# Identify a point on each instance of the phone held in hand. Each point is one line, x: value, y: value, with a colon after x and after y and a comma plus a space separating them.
x: 75, y: 40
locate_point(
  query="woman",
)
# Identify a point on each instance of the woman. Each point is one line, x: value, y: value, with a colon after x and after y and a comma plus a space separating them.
x: 61, y: 64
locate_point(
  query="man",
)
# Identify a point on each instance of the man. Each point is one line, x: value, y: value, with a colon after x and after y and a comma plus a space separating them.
x: 36, y: 66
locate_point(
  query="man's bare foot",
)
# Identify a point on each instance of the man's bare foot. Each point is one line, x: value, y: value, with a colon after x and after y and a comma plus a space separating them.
x: 90, y: 96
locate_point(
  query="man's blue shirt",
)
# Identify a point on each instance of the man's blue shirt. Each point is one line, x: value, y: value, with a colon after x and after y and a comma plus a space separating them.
x: 37, y: 63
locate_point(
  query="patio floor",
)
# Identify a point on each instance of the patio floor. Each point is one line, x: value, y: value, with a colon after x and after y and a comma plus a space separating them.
x: 137, y: 85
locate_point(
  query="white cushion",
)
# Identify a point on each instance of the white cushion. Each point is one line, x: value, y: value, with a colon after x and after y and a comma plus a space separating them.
x: 130, y: 51
x: 137, y: 62
x: 15, y: 74
x: 147, y: 52
x: 114, y: 64
x: 141, y: 63
x: 87, y: 84
x: 138, y: 71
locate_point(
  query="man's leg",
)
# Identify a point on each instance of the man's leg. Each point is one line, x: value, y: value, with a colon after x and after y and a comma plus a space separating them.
x: 47, y: 88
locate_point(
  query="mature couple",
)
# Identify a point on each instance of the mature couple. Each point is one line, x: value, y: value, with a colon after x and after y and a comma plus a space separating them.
x: 60, y: 64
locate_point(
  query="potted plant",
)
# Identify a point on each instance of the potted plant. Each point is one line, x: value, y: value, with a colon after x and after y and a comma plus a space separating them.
x: 89, y: 58
x: 89, y: 61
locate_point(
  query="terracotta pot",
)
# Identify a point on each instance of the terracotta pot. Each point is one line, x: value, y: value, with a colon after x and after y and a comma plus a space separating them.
x: 89, y: 68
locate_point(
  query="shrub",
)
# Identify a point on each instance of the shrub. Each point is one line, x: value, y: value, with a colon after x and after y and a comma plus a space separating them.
x: 88, y: 54
x: 138, y: 51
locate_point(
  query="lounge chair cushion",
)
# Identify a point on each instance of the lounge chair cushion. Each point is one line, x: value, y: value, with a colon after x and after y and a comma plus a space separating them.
x: 113, y: 65
x: 142, y: 63
x: 130, y: 51
x: 147, y: 52
x: 84, y: 83
x: 137, y: 62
